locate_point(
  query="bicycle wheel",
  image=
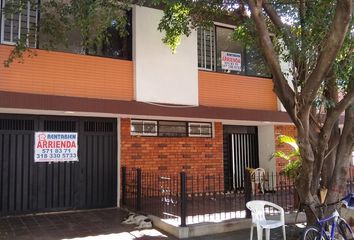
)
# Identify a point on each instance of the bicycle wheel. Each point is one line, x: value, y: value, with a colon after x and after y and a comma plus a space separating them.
x: 312, y: 233
x: 345, y: 230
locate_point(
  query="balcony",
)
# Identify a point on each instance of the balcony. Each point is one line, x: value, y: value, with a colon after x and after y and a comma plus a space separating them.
x: 66, y: 74
x: 236, y: 91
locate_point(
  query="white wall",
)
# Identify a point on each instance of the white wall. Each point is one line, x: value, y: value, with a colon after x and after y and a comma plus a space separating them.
x: 160, y: 75
x: 266, y: 144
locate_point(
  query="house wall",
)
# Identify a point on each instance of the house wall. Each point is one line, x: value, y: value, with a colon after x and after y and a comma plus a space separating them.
x: 171, y: 155
x: 160, y: 75
x: 236, y: 91
x: 64, y: 74
x: 266, y: 147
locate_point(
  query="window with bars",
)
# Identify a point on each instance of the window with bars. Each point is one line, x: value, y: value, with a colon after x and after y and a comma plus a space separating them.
x: 143, y: 128
x: 170, y: 128
x: 22, y: 24
x: 199, y: 129
x: 216, y: 42
x: 206, y: 49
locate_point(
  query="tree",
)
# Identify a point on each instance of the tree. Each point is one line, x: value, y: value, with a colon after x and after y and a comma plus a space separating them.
x: 314, y: 36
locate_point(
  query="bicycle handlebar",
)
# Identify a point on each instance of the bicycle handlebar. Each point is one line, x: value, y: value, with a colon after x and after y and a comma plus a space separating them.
x: 323, y: 205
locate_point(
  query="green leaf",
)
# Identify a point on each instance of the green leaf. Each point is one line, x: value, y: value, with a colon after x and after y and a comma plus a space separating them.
x: 281, y: 154
x: 289, y: 140
x: 175, y: 23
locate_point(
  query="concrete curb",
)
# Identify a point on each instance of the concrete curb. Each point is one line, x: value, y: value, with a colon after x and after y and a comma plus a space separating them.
x: 202, y: 229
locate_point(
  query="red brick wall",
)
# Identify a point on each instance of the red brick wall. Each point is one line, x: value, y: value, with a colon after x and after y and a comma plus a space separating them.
x: 171, y: 155
x: 288, y: 130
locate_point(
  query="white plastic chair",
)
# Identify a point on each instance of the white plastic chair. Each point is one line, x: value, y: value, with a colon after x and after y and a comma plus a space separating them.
x: 257, y: 208
x: 258, y: 177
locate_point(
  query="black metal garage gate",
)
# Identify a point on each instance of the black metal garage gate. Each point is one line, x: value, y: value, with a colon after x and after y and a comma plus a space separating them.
x: 27, y: 187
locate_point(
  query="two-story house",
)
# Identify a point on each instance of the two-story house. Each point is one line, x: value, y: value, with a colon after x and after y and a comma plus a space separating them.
x: 209, y: 107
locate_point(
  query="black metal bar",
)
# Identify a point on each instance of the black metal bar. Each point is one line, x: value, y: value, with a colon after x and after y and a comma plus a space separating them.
x: 124, y: 185
x: 248, y: 191
x: 183, y: 199
x: 138, y: 189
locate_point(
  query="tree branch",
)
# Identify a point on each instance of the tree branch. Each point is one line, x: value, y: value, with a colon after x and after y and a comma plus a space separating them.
x: 346, y: 102
x: 274, y: 17
x: 281, y: 86
x: 331, y: 46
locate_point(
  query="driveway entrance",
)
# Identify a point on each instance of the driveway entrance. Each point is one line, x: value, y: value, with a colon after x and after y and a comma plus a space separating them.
x: 27, y: 186
x: 99, y: 224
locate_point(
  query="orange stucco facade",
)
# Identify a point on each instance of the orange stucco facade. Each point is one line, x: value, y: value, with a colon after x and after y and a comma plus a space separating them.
x: 65, y: 74
x: 236, y: 91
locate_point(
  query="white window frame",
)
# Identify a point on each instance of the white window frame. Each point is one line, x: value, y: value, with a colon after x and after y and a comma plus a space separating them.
x: 212, y: 46
x: 143, y: 122
x: 28, y: 23
x: 198, y: 124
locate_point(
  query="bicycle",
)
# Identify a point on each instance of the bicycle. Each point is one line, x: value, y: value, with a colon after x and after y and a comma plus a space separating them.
x: 333, y: 222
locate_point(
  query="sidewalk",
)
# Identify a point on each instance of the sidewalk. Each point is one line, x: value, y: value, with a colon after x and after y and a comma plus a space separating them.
x: 102, y: 224
x: 292, y: 233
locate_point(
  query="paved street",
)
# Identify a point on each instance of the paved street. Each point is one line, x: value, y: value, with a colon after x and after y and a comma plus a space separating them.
x: 96, y: 225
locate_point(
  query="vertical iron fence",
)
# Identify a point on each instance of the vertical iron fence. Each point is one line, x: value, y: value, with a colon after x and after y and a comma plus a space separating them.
x: 276, y: 188
x: 183, y: 199
x: 152, y: 193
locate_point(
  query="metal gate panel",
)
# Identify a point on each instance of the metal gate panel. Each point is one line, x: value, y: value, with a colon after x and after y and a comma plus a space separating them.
x: 26, y: 186
x: 98, y: 171
x: 16, y: 141
x: 244, y: 154
x: 240, y: 152
x: 55, y: 185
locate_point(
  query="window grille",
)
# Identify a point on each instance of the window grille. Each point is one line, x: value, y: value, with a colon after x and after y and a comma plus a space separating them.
x: 22, y: 24
x: 206, y: 48
x: 170, y: 128
x: 17, y: 124
x: 97, y: 126
x: 199, y: 129
x: 60, y: 125
x: 143, y: 128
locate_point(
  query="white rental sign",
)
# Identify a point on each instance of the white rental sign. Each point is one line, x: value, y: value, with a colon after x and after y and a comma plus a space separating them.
x: 231, y: 61
x: 55, y: 147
